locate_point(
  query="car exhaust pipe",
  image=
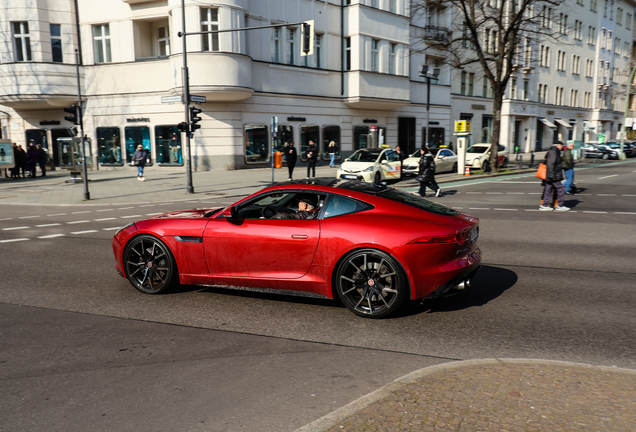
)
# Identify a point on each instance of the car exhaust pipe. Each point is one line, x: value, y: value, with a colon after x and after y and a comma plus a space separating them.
x: 462, y: 285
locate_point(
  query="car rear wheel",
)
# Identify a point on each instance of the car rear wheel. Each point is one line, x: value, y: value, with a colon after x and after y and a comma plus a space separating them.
x: 149, y: 265
x: 454, y: 167
x: 371, y: 283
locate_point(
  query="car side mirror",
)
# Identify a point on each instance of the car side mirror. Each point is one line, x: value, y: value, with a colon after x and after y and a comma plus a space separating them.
x: 229, y: 212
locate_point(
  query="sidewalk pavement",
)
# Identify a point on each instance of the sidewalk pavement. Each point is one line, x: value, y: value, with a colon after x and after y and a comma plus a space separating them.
x: 495, y: 395
x: 120, y: 185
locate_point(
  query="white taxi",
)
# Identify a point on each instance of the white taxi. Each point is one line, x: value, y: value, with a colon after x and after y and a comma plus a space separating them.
x: 371, y: 165
x: 445, y: 160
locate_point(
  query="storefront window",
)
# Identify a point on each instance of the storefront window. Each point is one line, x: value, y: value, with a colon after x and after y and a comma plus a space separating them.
x: 284, y: 134
x: 36, y: 136
x: 256, y: 143
x: 308, y: 133
x: 109, y: 146
x: 436, y: 139
x: 136, y: 135
x: 168, y: 145
x: 330, y: 133
x: 360, y: 137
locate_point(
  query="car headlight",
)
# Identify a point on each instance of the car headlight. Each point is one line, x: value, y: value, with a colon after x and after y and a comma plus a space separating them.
x: 368, y: 169
x: 124, y: 227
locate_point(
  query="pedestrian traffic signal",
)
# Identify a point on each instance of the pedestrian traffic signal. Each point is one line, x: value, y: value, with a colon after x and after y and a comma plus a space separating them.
x: 307, y: 38
x: 74, y: 114
x: 183, y: 127
x: 194, y: 118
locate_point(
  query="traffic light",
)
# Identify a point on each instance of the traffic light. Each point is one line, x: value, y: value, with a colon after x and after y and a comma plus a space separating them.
x: 183, y: 127
x: 74, y: 114
x: 307, y: 38
x: 194, y: 118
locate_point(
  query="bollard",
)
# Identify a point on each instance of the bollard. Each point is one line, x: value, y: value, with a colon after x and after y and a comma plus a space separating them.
x: 531, y: 160
x: 520, y: 161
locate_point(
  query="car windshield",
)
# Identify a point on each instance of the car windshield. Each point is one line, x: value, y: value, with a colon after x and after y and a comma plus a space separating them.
x: 417, y: 201
x: 480, y: 149
x: 364, y: 156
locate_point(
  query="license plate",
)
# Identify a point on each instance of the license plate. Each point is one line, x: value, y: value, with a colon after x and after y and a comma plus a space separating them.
x: 350, y: 177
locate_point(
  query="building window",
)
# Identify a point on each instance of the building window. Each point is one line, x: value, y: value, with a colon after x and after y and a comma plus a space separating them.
x: 375, y: 53
x: 605, y: 8
x: 392, y: 58
x: 462, y: 88
x: 101, y: 43
x: 168, y: 145
x: 360, y: 137
x: 544, y: 56
x: 373, y: 3
x: 561, y: 60
x: 435, y: 139
x: 109, y: 146
x: 256, y: 143
x: 513, y: 89
x: 308, y: 133
x: 318, y: 50
x: 56, y: 43
x: 276, y: 45
x: 392, y: 7
x: 574, y: 96
x: 471, y: 83
x: 291, y: 46
x: 347, y: 65
x: 163, y: 39
x: 593, y: 5
x: 591, y: 35
x: 209, y: 22
x: 619, y: 16
x: 284, y: 135
x: 134, y: 136
x: 485, y: 87
x: 563, y: 24
x: 526, y: 90
x: 628, y: 21
x: 330, y: 133
x: 21, y: 41
x: 576, y: 65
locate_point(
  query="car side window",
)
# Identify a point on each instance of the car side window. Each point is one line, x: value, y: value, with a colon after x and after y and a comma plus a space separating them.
x: 393, y: 157
x: 446, y: 153
x: 338, y: 205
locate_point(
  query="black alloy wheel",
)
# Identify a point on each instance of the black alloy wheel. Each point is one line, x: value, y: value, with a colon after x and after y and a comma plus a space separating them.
x: 454, y: 167
x: 371, y: 283
x: 378, y: 178
x: 149, y: 265
x: 485, y: 167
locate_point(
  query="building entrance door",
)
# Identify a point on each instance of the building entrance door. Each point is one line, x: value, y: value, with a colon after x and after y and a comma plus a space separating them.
x: 406, y: 135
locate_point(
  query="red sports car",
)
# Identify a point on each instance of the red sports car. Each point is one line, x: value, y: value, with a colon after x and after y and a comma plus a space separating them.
x: 371, y: 245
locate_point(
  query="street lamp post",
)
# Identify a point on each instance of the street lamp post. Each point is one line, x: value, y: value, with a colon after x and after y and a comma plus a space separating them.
x: 428, y: 74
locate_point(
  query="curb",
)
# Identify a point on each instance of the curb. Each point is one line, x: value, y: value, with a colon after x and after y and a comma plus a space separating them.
x: 332, y: 419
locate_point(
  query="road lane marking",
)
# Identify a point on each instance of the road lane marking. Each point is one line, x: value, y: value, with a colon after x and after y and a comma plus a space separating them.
x: 473, y: 193
x: 605, y: 194
x: 515, y: 193
x: 28, y: 217
x: 3, y: 219
x: 596, y: 212
x: 147, y: 205
x: 48, y: 225
x: 84, y: 232
x: 125, y: 208
x: 13, y: 240
x: 494, y: 193
x: 131, y: 216
x: 15, y: 228
x: 613, y: 175
x: 86, y: 211
x: 111, y: 228
x: 625, y: 212
x: 503, y: 209
x: 621, y: 195
x: 535, y: 193
x: 153, y: 214
x: 478, y: 208
x: 51, y: 236
x: 77, y: 222
x: 56, y: 214
x: 103, y: 210
x: 105, y: 219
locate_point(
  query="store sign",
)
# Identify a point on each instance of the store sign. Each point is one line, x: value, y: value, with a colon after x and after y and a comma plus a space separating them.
x: 138, y: 120
x: 369, y: 121
x: 296, y: 119
x: 478, y: 107
x: 462, y: 125
x: 49, y: 122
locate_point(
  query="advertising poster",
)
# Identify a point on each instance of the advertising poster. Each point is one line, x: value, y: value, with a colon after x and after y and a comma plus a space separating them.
x: 6, y: 155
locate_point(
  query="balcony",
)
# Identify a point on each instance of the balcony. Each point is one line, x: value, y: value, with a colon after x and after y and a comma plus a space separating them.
x: 369, y: 90
x: 33, y: 86
x: 435, y: 35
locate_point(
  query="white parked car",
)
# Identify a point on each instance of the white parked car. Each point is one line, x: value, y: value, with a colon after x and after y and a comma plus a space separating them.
x: 371, y: 165
x: 478, y: 156
x: 445, y: 160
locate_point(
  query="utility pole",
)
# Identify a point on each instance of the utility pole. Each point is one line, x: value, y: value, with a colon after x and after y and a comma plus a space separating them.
x: 87, y: 195
x: 428, y: 74
x: 186, y: 102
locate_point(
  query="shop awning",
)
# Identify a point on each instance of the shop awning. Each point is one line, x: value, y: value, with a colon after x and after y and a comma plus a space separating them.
x: 563, y: 123
x: 547, y: 122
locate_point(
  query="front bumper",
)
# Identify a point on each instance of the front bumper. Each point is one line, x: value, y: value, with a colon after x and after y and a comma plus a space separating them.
x: 362, y: 176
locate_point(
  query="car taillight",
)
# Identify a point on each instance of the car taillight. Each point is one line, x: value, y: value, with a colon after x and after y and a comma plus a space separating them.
x: 459, y: 238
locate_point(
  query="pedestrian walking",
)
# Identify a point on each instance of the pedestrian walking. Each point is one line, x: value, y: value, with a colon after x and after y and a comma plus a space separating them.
x: 21, y: 161
x: 42, y: 157
x: 312, y: 155
x: 401, y: 156
x: 291, y: 156
x: 31, y: 160
x: 139, y: 160
x: 568, y: 169
x: 426, y: 174
x: 553, y: 179
x: 16, y: 167
x: 331, y: 149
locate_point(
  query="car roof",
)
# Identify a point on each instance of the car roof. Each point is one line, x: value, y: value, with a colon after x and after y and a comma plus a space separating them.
x: 330, y: 182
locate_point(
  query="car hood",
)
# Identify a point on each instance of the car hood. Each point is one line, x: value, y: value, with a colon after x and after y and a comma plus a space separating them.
x: 411, y: 161
x: 188, y: 214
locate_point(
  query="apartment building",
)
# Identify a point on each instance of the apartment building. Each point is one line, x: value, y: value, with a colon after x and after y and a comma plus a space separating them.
x: 571, y: 87
x: 359, y: 88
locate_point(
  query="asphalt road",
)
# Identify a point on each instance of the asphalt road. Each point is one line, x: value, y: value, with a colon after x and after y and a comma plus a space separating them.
x: 82, y: 350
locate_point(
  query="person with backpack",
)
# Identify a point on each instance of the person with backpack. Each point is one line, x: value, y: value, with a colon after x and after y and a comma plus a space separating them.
x: 426, y: 175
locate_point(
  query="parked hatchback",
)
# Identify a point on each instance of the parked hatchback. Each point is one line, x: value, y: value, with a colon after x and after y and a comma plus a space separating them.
x: 478, y: 156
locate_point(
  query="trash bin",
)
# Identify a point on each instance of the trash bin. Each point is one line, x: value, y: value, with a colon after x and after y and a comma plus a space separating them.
x: 278, y: 159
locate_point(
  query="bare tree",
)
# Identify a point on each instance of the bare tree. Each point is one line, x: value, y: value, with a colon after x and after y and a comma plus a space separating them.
x: 492, y: 35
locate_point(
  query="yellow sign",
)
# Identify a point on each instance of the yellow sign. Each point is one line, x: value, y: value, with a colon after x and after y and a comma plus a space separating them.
x: 462, y: 126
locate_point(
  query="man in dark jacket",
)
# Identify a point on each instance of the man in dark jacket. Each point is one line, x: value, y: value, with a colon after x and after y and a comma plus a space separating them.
x: 568, y: 169
x: 553, y: 178
x: 312, y: 155
x: 307, y: 208
x: 42, y: 157
x: 426, y: 174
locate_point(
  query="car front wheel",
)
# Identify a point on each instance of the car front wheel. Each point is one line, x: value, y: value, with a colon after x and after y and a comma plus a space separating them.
x: 605, y: 156
x: 378, y: 178
x: 371, y: 283
x: 149, y: 265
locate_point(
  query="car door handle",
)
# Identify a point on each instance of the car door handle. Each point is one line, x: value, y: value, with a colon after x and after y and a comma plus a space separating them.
x: 300, y: 236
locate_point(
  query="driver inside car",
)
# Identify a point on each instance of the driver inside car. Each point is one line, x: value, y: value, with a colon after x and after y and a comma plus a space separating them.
x: 307, y: 208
